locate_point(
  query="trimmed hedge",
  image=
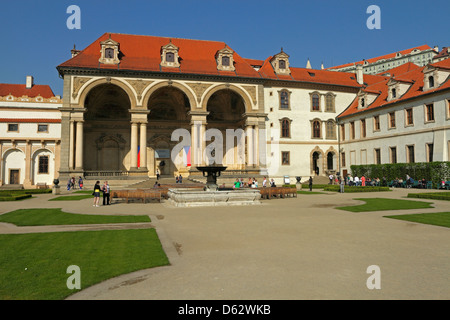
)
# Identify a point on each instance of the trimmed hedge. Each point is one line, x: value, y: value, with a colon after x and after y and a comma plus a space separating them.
x: 430, y: 171
x: 433, y: 195
x: 336, y: 188
x: 14, y: 197
x: 314, y: 186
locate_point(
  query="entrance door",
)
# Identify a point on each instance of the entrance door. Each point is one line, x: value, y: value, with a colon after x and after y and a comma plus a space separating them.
x: 14, y: 176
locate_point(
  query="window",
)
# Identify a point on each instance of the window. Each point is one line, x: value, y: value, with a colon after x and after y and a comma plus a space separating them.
x: 352, y: 130
x: 109, y: 53
x: 170, y: 57
x: 343, y: 159
x: 315, y: 102
x: 363, y: 128
x: 430, y: 81
x: 343, y: 132
x: 284, y: 100
x: 410, y: 154
x: 393, y: 154
x: 330, y: 160
x: 226, y: 61
x: 429, y: 109
x: 285, y: 128
x: 409, y: 117
x: 42, y: 128
x: 377, y: 156
x: 316, y: 129
x: 330, y: 130
x: 282, y: 64
x: 43, y: 164
x: 329, y: 102
x: 285, y: 155
x: 13, y: 127
x: 394, y: 93
x: 362, y: 102
x: 430, y: 152
x: 376, y: 123
x: 392, y: 120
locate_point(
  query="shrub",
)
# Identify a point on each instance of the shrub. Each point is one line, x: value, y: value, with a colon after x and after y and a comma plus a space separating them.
x: 434, y: 195
x: 336, y: 188
x: 430, y: 171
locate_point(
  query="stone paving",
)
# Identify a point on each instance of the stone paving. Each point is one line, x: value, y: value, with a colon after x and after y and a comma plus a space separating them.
x: 291, y: 249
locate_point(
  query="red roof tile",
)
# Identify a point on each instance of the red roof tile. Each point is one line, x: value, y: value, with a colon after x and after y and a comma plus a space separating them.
x: 143, y: 53
x: 415, y: 76
x: 19, y: 90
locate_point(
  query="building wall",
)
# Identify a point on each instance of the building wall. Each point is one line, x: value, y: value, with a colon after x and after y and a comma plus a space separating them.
x: 362, y: 150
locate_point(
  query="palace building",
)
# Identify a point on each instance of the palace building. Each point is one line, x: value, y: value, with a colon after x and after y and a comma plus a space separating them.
x: 134, y: 105
x: 125, y: 95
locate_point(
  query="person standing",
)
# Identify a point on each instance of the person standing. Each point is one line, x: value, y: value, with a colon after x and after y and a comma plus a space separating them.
x: 363, y: 181
x: 264, y: 182
x: 80, y: 183
x: 157, y: 174
x: 180, y: 178
x: 310, y: 183
x: 105, y: 190
x: 96, y: 193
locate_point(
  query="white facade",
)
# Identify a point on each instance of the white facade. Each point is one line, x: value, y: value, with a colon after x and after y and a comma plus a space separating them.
x: 30, y: 135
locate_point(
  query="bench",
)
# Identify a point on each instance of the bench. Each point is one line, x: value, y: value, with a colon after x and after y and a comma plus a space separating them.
x: 277, y: 192
x: 143, y: 196
x: 41, y: 185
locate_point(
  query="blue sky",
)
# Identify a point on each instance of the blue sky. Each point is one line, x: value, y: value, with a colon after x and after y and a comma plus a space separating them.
x: 35, y: 38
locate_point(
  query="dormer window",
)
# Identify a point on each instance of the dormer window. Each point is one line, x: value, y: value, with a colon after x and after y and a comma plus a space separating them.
x: 224, y: 59
x: 109, y: 52
x: 280, y: 63
x: 394, y: 93
x: 169, y: 55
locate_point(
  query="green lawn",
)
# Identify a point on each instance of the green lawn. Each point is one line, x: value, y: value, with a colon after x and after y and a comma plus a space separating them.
x: 310, y: 192
x: 438, y: 219
x: 379, y: 204
x: 42, y: 217
x: 34, y: 266
x: 72, y: 197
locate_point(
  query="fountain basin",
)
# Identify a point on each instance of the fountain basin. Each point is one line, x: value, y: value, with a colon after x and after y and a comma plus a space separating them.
x: 181, y: 197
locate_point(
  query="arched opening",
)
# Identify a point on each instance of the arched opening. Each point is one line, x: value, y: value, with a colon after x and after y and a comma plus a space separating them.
x: 107, y: 114
x: 42, y: 167
x: 169, y: 110
x: 331, y: 161
x: 316, y: 163
x: 13, y: 167
x: 226, y: 109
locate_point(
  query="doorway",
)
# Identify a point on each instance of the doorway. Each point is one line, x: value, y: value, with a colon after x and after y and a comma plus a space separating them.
x: 14, y: 176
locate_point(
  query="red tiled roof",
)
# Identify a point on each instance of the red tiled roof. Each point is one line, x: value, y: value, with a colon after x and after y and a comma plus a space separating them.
x: 19, y: 90
x: 317, y: 76
x: 386, y: 56
x: 400, y: 69
x: 22, y: 120
x: 415, y: 76
x: 143, y: 53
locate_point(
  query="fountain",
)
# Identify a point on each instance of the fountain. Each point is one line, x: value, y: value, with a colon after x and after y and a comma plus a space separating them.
x: 212, y: 195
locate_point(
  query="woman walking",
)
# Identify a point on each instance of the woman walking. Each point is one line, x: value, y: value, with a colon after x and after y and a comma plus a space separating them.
x: 96, y: 193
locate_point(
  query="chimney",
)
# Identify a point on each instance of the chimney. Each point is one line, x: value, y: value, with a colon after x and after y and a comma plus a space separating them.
x: 74, y: 51
x: 29, y: 82
x: 436, y: 48
x: 359, y: 74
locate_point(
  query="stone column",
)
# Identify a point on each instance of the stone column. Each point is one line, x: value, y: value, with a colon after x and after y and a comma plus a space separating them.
x: 198, y: 142
x: 79, y: 146
x: 250, y: 145
x: 143, y: 146
x: 134, y: 145
x: 71, y: 145
x: 28, y: 150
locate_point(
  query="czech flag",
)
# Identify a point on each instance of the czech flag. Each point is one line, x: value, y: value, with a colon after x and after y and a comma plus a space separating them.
x: 139, y: 157
x: 187, y: 156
